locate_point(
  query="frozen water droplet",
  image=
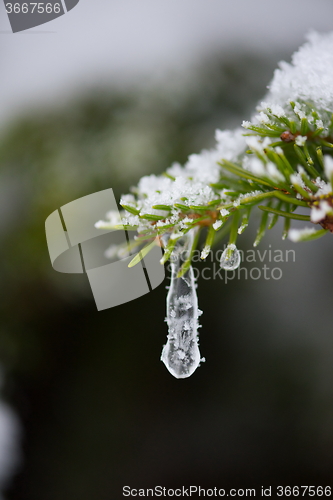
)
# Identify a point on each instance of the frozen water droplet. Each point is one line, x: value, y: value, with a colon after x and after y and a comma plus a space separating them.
x: 230, y: 258
x: 181, y: 353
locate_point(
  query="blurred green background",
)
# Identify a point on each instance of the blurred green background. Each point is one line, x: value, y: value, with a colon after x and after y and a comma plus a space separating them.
x: 98, y: 408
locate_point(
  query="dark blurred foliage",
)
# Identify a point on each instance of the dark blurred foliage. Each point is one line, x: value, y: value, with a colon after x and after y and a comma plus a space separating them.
x: 98, y: 408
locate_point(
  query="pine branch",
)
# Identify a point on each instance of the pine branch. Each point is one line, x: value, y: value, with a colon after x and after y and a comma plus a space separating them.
x: 286, y: 159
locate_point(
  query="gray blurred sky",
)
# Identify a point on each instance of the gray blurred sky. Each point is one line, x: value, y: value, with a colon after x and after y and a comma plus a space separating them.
x: 132, y: 40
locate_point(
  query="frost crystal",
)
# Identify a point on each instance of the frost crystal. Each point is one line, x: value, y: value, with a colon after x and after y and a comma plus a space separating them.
x: 309, y: 77
x: 278, y: 111
x: 205, y: 252
x: 255, y: 166
x: 241, y: 228
x: 217, y: 225
x: 299, y: 111
x: 324, y: 187
x: 273, y: 172
x: 246, y: 124
x: 319, y: 213
x: 263, y: 118
x: 300, y: 140
x: 113, y: 218
x: 328, y: 164
x: 191, y: 181
x: 255, y: 143
x: 297, y: 180
x: 224, y: 212
x: 296, y: 235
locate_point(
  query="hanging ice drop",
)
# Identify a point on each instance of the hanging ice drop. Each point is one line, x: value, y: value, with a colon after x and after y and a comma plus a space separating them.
x: 181, y: 353
x: 230, y: 258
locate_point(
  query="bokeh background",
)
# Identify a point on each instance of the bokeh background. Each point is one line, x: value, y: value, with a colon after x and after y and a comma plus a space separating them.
x: 96, y: 99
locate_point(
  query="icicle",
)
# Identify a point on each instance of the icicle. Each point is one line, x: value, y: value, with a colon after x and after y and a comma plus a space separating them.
x: 181, y: 353
x: 230, y: 258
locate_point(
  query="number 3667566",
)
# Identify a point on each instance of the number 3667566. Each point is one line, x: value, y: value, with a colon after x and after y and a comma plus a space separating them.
x: 30, y: 8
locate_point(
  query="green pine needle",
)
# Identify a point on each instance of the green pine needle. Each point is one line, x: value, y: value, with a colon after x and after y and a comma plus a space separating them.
x: 285, y: 214
x: 141, y: 254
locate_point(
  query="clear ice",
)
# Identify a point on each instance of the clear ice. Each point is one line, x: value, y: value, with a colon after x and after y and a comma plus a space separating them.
x: 181, y: 353
x: 230, y: 258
